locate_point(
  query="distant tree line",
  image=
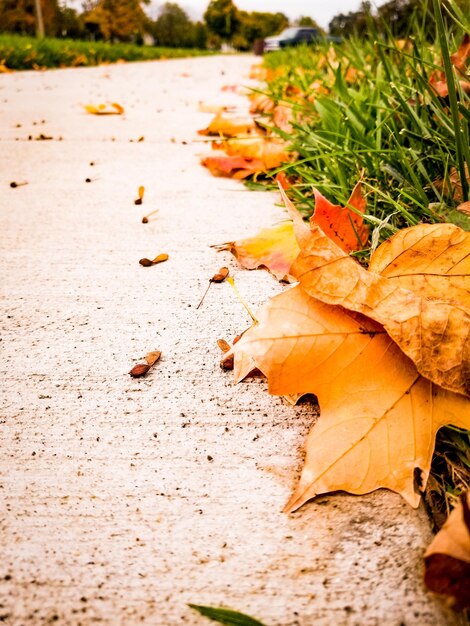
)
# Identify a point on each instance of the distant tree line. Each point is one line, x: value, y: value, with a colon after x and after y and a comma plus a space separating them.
x: 223, y: 22
x: 394, y: 16
x: 127, y: 20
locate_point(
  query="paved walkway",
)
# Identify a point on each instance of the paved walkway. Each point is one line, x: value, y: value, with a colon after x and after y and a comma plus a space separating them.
x: 123, y: 499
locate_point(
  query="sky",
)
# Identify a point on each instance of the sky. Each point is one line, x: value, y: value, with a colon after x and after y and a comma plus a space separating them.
x: 320, y: 10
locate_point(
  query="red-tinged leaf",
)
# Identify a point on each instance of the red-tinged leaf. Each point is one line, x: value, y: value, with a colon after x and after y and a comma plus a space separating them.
x: 232, y: 166
x: 341, y: 224
x: 273, y: 248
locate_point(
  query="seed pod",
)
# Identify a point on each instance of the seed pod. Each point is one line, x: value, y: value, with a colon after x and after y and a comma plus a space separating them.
x: 220, y: 276
x: 139, y: 370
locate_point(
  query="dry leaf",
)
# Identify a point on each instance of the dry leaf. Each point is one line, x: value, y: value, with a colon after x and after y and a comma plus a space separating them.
x: 273, y: 248
x: 378, y: 416
x: 341, y: 224
x: 110, y: 108
x: 452, y: 185
x: 283, y: 116
x: 433, y: 333
x: 261, y: 103
x: 232, y: 166
x: 459, y: 60
x: 229, y: 126
x: 447, y: 560
x: 213, y: 108
x: 464, y: 207
x: 158, y: 259
x: 431, y: 259
x: 271, y: 153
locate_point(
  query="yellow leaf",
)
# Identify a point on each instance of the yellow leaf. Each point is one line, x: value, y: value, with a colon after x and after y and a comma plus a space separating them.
x: 111, y: 108
x: 432, y: 260
x: 271, y: 153
x: 433, y: 333
x: 229, y: 126
x: 274, y: 248
x: 378, y: 418
x: 447, y: 560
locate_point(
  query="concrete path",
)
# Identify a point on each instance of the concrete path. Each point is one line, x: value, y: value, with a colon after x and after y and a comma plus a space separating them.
x: 123, y: 499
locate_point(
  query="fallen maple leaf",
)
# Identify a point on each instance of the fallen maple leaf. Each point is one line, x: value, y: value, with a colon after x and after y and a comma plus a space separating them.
x: 261, y: 103
x: 283, y: 116
x: 228, y: 126
x: 459, y: 59
x: 271, y: 153
x: 110, y: 108
x: 430, y: 259
x: 447, y: 560
x: 232, y: 166
x: 378, y: 417
x: 433, y: 333
x: 342, y: 224
x: 274, y: 248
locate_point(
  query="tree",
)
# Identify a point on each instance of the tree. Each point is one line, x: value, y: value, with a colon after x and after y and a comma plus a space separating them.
x: 69, y: 23
x: 122, y: 20
x: 173, y: 27
x: 257, y: 25
x: 353, y: 23
x: 305, y: 20
x: 19, y: 16
x: 222, y: 18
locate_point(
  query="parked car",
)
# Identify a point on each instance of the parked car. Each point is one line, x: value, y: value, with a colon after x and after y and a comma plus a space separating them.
x: 295, y: 36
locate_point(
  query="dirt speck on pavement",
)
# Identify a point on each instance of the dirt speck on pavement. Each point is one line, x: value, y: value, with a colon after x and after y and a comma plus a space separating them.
x: 123, y: 499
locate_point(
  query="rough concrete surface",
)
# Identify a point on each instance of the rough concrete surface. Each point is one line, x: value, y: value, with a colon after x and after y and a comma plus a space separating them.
x: 123, y: 499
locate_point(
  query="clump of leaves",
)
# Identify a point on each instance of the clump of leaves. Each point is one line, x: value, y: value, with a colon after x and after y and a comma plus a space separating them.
x: 385, y: 351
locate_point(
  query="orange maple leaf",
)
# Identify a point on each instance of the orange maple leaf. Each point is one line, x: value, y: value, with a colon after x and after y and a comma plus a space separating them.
x: 232, y: 166
x: 342, y: 224
x: 378, y: 416
x: 447, y: 559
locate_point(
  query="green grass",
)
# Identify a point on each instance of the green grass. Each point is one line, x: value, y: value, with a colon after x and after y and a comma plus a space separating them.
x: 26, y: 53
x: 381, y: 118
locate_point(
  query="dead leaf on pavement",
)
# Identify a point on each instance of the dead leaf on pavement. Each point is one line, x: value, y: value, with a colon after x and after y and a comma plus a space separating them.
x: 228, y: 126
x: 447, y: 560
x: 213, y: 108
x: 232, y: 166
x: 378, y: 417
x: 271, y: 153
x: 273, y: 248
x: 109, y: 108
x: 433, y: 333
x: 430, y: 259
